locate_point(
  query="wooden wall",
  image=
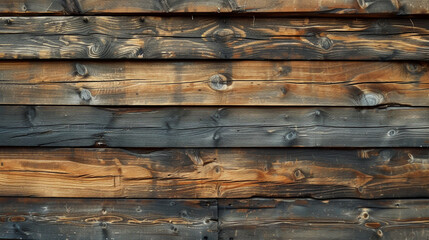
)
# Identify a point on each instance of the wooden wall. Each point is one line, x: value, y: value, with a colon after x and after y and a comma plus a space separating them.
x: 214, y: 119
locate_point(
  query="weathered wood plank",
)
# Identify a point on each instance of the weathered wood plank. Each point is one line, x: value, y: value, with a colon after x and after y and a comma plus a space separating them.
x: 26, y: 218
x: 214, y: 173
x: 104, y: 37
x: 337, y: 7
x: 331, y: 219
x: 316, y: 83
x: 213, y: 127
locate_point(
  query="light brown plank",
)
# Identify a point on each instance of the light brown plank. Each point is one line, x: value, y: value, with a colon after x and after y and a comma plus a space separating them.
x: 252, y: 83
x: 214, y: 173
x: 335, y: 7
x: 117, y: 37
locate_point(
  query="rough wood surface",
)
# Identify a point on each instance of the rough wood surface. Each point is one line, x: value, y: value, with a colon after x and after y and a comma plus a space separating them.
x: 337, y: 7
x: 214, y: 173
x: 116, y: 37
x: 26, y: 218
x: 311, y: 83
x: 340, y: 219
x: 213, y: 127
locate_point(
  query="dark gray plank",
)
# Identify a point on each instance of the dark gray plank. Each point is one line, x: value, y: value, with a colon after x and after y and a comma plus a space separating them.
x: 42, y: 218
x: 102, y: 37
x: 340, y: 219
x: 334, y: 7
x: 214, y: 173
x: 213, y: 127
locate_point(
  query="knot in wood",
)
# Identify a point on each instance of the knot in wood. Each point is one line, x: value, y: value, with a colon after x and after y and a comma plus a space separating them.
x: 139, y: 209
x: 363, y: 4
x: 218, y: 82
x: 100, y: 48
x: 8, y: 21
x: 414, y: 68
x: 81, y: 70
x: 224, y: 34
x: 325, y: 43
x: 380, y: 233
x: 184, y: 214
x: 298, y: 175
x: 371, y: 99
x: 85, y: 94
x: 392, y: 132
x: 291, y: 135
x: 365, y: 215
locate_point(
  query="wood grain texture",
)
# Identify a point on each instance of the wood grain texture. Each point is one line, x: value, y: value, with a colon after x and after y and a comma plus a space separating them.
x: 337, y: 7
x: 331, y: 219
x: 102, y: 37
x: 214, y: 173
x: 26, y: 218
x: 213, y: 127
x: 252, y: 83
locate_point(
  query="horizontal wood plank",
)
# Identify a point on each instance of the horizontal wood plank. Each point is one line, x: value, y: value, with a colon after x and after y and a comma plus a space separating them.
x: 331, y: 219
x: 26, y: 218
x: 80, y: 126
x: 198, y: 219
x: 275, y: 83
x: 214, y: 173
x: 103, y: 37
x: 337, y: 7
